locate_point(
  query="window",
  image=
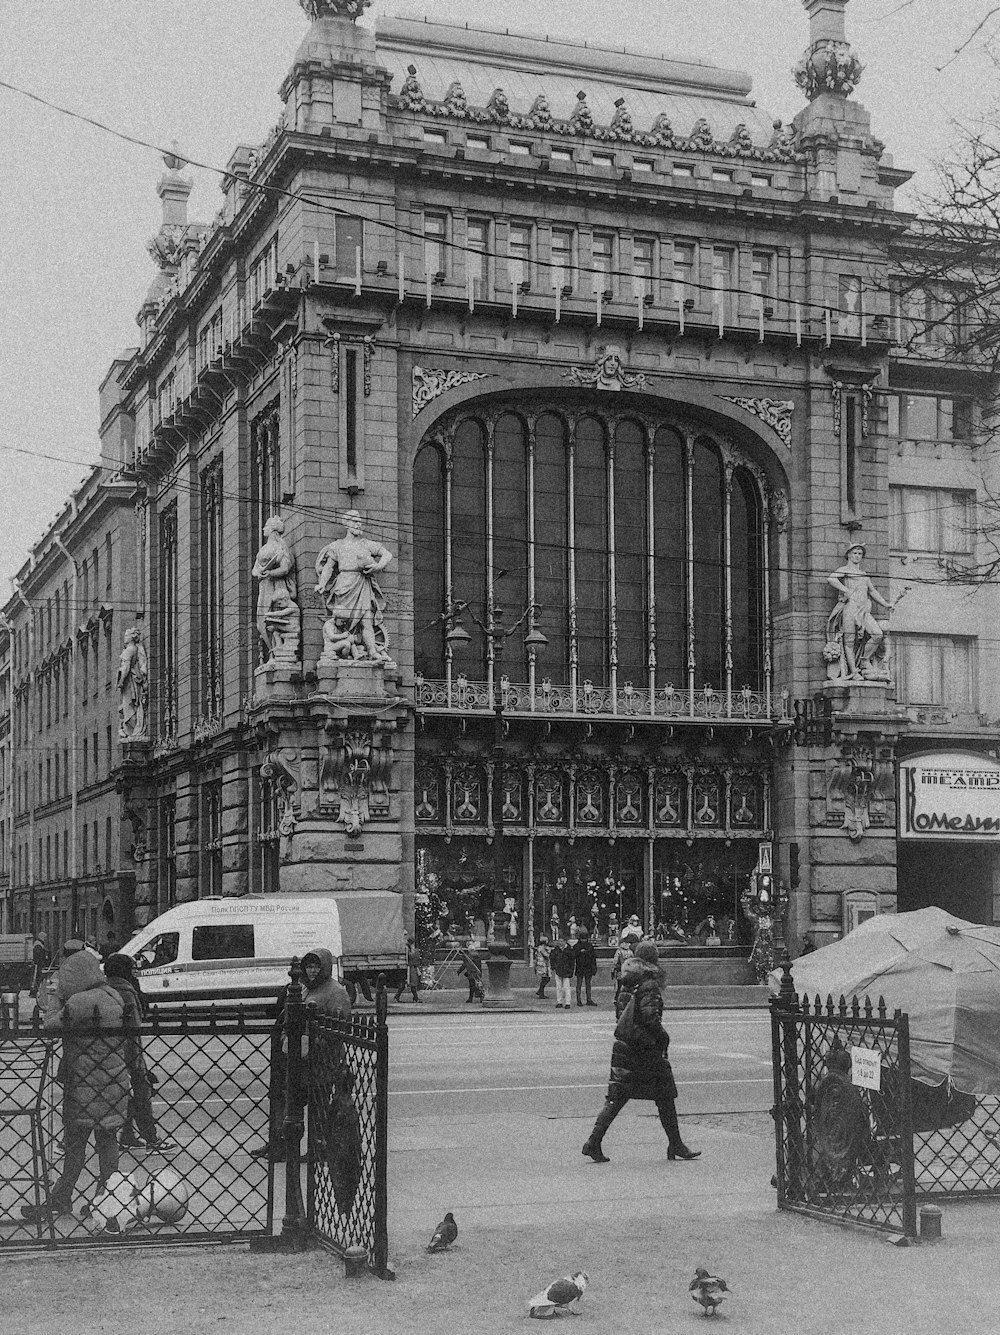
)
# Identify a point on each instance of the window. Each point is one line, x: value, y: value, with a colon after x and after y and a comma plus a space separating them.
x: 96, y: 758
x: 109, y: 745
x: 95, y: 561
x: 683, y: 169
x: 519, y: 253
x: 849, y: 306
x: 760, y: 180
x: 723, y: 267
x: 167, y: 613
x: 268, y: 835
x: 520, y: 149
x: 561, y: 155
x: 265, y: 481
x: 643, y: 262
x: 262, y: 273
x: 107, y: 563
x: 936, y: 670
x: 642, y: 165
x: 477, y: 141
x: 563, y: 263
x: 107, y: 842
x: 212, y: 839
x: 224, y: 941
x: 160, y: 951
x: 58, y: 788
x: 349, y: 238
x: 477, y: 260
x: 212, y: 589
x: 684, y: 261
x: 724, y: 175
x: 86, y: 761
x: 435, y: 232
x: 928, y: 519
x: 85, y: 850
x: 108, y: 655
x: 762, y: 278
x: 910, y: 311
x: 603, y: 262
x: 603, y: 159
x: 929, y: 417
x: 48, y: 778
x: 435, y: 136
x: 167, y: 861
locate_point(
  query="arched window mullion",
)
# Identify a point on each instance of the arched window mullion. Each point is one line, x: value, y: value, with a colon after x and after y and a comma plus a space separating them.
x: 765, y: 580
x: 610, y: 428
x: 574, y: 646
x: 650, y: 457
x: 689, y: 443
x: 449, y: 587
x: 491, y: 422
x: 531, y: 545
x: 727, y: 556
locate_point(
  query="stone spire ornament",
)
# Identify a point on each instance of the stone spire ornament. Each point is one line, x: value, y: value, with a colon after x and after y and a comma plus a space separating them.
x: 335, y: 9
x: 829, y: 65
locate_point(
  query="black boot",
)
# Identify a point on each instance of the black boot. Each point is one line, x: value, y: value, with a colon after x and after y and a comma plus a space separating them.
x: 676, y: 1149
x: 592, y: 1145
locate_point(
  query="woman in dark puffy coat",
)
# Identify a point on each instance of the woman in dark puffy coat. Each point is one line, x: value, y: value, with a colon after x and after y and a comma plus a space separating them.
x: 640, y: 1069
x: 644, y: 966
x: 139, y: 1131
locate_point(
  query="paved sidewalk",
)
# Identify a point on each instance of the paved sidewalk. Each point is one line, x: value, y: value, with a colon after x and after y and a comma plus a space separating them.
x: 675, y: 998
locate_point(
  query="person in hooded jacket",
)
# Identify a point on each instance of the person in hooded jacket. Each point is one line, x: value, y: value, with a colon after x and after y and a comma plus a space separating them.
x: 644, y: 965
x: 640, y: 1069
x: 323, y: 994
x: 584, y: 967
x: 139, y: 1131
x: 90, y: 1015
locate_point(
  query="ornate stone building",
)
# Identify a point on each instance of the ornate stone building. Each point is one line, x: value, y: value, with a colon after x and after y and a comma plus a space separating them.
x: 608, y: 366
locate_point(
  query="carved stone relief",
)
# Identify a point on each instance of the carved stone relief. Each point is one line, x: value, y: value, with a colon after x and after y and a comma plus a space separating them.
x: 429, y: 385
x: 355, y: 773
x: 775, y: 413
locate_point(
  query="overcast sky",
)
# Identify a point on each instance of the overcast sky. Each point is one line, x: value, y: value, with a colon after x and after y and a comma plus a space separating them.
x: 77, y: 206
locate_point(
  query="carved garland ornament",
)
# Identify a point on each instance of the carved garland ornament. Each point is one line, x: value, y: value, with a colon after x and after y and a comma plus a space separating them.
x: 430, y: 384
x: 775, y: 413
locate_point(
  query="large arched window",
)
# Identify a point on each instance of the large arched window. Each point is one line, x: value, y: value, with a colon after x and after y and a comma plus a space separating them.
x: 643, y: 541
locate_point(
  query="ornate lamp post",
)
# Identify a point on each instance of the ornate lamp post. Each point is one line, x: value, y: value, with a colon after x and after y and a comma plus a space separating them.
x: 499, y: 960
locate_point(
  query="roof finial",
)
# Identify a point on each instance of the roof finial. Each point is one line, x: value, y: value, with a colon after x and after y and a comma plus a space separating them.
x: 829, y: 65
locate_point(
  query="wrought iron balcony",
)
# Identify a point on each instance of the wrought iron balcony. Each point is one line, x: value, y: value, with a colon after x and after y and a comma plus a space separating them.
x: 666, y: 704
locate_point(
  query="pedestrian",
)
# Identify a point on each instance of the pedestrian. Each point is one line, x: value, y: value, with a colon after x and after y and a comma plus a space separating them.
x: 139, y: 1131
x: 584, y: 966
x: 543, y: 971
x: 640, y: 1069
x: 562, y: 963
x: 90, y: 1014
x: 642, y: 967
x: 625, y: 951
x: 412, y: 971
x: 40, y: 961
x: 632, y: 930
x: 470, y: 970
x: 326, y: 996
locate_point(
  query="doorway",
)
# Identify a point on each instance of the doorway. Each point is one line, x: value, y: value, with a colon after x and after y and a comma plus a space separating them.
x: 952, y: 876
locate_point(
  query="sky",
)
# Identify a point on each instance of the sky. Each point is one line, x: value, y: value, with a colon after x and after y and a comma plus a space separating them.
x: 77, y: 206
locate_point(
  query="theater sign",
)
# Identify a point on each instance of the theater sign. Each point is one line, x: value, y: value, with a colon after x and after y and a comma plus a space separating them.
x: 949, y: 795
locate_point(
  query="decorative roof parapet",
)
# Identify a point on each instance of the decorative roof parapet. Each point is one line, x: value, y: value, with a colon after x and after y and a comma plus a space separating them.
x: 335, y: 9
x: 783, y: 146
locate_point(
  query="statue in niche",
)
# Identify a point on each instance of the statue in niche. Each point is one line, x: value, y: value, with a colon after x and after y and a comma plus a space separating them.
x: 133, y: 689
x: 854, y: 639
x: 278, y: 618
x: 345, y: 574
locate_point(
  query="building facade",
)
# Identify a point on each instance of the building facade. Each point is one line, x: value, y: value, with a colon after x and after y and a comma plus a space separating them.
x: 604, y: 372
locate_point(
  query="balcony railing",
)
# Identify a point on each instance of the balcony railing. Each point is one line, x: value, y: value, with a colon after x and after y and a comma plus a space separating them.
x: 665, y: 704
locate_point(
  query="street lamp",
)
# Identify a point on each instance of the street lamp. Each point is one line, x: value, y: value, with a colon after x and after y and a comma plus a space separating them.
x: 534, y: 642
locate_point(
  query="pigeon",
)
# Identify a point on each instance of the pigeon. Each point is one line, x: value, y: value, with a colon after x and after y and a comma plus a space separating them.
x: 707, y: 1290
x: 561, y: 1294
x: 444, y: 1235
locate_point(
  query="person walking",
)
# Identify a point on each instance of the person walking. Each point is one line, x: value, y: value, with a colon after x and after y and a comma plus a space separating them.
x: 584, y: 966
x: 543, y: 970
x: 40, y: 961
x: 643, y: 966
x: 90, y: 1015
x: 562, y: 964
x: 640, y: 1069
x: 139, y: 1131
x: 470, y: 970
x: 412, y: 971
x: 625, y: 951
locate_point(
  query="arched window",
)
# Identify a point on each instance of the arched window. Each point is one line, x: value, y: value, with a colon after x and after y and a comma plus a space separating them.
x: 709, y: 569
x: 510, y: 532
x: 468, y: 533
x: 428, y: 562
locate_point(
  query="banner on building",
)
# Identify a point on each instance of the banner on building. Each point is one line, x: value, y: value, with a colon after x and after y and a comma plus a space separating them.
x: 949, y: 795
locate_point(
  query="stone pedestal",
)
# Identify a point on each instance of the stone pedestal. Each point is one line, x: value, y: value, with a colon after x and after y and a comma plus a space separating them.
x: 497, y: 981
x: 349, y: 680
x: 276, y: 679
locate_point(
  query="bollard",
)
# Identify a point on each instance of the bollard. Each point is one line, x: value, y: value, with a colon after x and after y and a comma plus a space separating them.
x: 355, y: 1262
x: 930, y: 1223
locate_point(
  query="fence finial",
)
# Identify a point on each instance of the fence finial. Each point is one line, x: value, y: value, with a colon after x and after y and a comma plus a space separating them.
x: 786, y: 991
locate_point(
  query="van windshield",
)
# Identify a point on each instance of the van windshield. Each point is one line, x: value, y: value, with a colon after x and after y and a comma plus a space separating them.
x: 160, y: 950
x: 225, y: 941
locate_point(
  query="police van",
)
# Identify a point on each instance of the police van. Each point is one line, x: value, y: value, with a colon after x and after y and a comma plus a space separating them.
x: 241, y: 948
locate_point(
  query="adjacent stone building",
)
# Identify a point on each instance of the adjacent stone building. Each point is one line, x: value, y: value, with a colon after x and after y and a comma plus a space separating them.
x: 602, y: 370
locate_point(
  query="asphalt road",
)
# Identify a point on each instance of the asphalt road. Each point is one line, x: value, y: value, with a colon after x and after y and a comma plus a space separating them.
x: 556, y: 1065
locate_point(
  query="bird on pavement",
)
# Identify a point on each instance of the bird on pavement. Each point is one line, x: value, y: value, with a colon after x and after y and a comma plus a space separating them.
x: 559, y: 1296
x: 707, y: 1290
x: 444, y: 1235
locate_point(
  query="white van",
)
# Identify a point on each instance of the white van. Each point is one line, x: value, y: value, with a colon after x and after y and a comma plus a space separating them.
x: 212, y: 949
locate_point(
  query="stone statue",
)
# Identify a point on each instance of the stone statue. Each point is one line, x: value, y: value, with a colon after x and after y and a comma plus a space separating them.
x: 133, y: 689
x: 345, y: 574
x: 853, y: 636
x: 278, y: 619
x: 334, y: 9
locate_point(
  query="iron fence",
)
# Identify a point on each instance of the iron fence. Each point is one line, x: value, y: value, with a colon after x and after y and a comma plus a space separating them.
x: 140, y: 1134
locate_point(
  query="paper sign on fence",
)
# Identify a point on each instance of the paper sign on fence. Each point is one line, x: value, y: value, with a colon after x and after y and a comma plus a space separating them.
x: 866, y: 1068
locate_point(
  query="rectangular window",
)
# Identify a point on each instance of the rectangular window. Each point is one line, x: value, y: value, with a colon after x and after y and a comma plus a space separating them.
x: 762, y: 278
x: 85, y: 850
x: 227, y: 941
x: 211, y: 589
x: 561, y: 155
x: 167, y: 618
x: 435, y: 232
x: 167, y: 862
x: 519, y: 253
x: 724, y: 175
x: 477, y: 141
x: 520, y: 150
x: 684, y: 279
x: 850, y: 443
x: 350, y: 243
x: 685, y: 170
x: 108, y: 747
x: 603, y: 263
x: 936, y: 670
x: 268, y: 835
x: 435, y: 136
x: 563, y: 261
x: 603, y: 159
x: 211, y: 839
x: 643, y: 265
x: 351, y: 410
x: 645, y: 165
x: 909, y: 311
x: 930, y: 519
x: 107, y: 842
x: 759, y: 179
x: 96, y: 756
x: 86, y: 761
x: 723, y: 269
x: 477, y: 235
x: 107, y: 563
x: 849, y: 306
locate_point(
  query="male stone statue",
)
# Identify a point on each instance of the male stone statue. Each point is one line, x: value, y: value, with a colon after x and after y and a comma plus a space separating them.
x: 345, y: 573
x: 851, y: 625
x: 277, y: 611
x: 133, y: 689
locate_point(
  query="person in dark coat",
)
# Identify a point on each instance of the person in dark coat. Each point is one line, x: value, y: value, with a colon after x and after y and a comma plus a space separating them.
x: 470, y: 970
x: 644, y: 965
x: 640, y: 1069
x: 412, y: 971
x: 40, y: 961
x: 584, y: 967
x: 562, y: 964
x: 90, y: 1015
x: 139, y: 1130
